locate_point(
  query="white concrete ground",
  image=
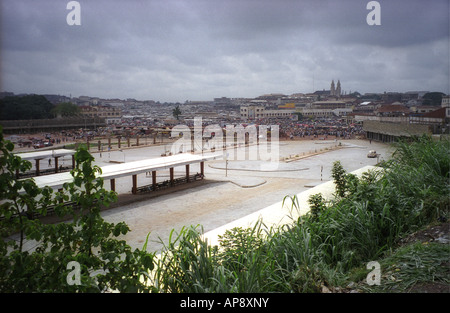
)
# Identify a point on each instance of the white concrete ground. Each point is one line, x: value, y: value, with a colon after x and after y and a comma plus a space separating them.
x: 229, y: 193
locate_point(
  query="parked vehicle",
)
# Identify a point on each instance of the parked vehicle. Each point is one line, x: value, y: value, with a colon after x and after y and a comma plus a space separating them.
x: 372, y: 154
x: 42, y: 144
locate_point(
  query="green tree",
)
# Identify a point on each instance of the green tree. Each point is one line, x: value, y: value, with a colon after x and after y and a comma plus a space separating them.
x: 20, y: 198
x: 25, y: 107
x: 87, y: 240
x: 176, y: 112
x: 339, y: 176
x: 346, y: 184
x: 66, y: 109
x: 317, y: 205
x: 432, y: 98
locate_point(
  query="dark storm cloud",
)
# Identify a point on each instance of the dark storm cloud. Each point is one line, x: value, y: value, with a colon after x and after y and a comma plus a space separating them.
x: 198, y: 49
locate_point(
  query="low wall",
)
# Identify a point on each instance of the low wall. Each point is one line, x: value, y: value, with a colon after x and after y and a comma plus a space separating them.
x: 396, y: 129
x: 280, y: 213
x: 55, y: 124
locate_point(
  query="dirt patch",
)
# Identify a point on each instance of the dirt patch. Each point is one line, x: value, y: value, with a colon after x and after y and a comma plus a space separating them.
x: 430, y: 288
x: 434, y: 233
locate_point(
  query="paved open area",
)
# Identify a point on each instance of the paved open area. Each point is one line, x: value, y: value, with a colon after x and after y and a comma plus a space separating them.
x: 230, y: 190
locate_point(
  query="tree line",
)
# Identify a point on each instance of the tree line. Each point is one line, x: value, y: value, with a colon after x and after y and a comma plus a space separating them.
x: 31, y: 107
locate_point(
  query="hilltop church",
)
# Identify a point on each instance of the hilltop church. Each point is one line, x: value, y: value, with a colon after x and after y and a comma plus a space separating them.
x: 335, y: 91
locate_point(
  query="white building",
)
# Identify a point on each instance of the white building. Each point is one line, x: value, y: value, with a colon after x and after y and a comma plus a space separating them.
x: 445, y: 103
x: 256, y: 112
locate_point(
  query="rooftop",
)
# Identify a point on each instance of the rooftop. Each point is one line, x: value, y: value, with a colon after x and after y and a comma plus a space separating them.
x: 129, y: 168
x: 39, y: 155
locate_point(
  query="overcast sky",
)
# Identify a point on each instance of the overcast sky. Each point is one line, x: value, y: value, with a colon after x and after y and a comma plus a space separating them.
x: 168, y: 50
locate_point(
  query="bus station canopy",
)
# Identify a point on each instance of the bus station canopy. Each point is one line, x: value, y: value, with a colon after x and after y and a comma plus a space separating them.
x: 111, y: 172
x: 39, y: 155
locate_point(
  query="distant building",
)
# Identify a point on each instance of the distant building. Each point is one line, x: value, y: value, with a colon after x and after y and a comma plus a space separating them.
x: 326, y: 109
x: 111, y: 114
x: 321, y: 93
x: 390, y: 97
x: 335, y: 91
x: 393, y: 110
x: 222, y: 101
x: 251, y: 112
x: 424, y: 109
x: 329, y: 104
x: 290, y: 105
x: 446, y: 104
x: 395, y: 121
x: 55, y: 99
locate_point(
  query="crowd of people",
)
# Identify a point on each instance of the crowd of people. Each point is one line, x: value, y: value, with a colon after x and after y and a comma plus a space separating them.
x: 288, y: 130
x: 318, y: 129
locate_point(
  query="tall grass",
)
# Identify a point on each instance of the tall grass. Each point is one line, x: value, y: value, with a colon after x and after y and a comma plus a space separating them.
x: 189, y: 265
x: 365, y: 221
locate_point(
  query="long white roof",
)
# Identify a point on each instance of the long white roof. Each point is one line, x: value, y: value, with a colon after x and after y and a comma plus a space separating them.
x: 39, y: 155
x: 129, y: 168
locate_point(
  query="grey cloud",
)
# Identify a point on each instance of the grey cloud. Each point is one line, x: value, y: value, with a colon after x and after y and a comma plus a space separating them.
x: 221, y: 47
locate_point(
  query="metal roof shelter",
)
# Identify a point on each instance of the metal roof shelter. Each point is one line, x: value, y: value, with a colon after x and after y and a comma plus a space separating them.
x: 40, y: 155
x: 111, y: 172
x: 45, y: 154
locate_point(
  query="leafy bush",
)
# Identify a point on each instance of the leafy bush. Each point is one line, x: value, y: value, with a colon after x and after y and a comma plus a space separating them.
x: 325, y: 248
x: 87, y: 239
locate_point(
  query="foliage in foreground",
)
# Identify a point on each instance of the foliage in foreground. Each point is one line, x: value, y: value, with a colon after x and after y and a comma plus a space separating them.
x: 67, y: 256
x: 412, y: 266
x: 324, y: 248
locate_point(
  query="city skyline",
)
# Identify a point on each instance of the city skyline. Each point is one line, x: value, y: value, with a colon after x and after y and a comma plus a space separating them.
x: 173, y: 51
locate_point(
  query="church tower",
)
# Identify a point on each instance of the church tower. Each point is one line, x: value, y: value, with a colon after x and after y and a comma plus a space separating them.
x: 332, y: 89
x: 338, y: 89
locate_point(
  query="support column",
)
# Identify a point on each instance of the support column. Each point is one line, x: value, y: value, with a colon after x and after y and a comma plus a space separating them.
x: 154, y: 179
x: 56, y: 165
x: 134, y: 188
x: 187, y: 172
x: 37, y: 167
x: 113, y: 184
x: 171, y: 176
x: 202, y: 168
